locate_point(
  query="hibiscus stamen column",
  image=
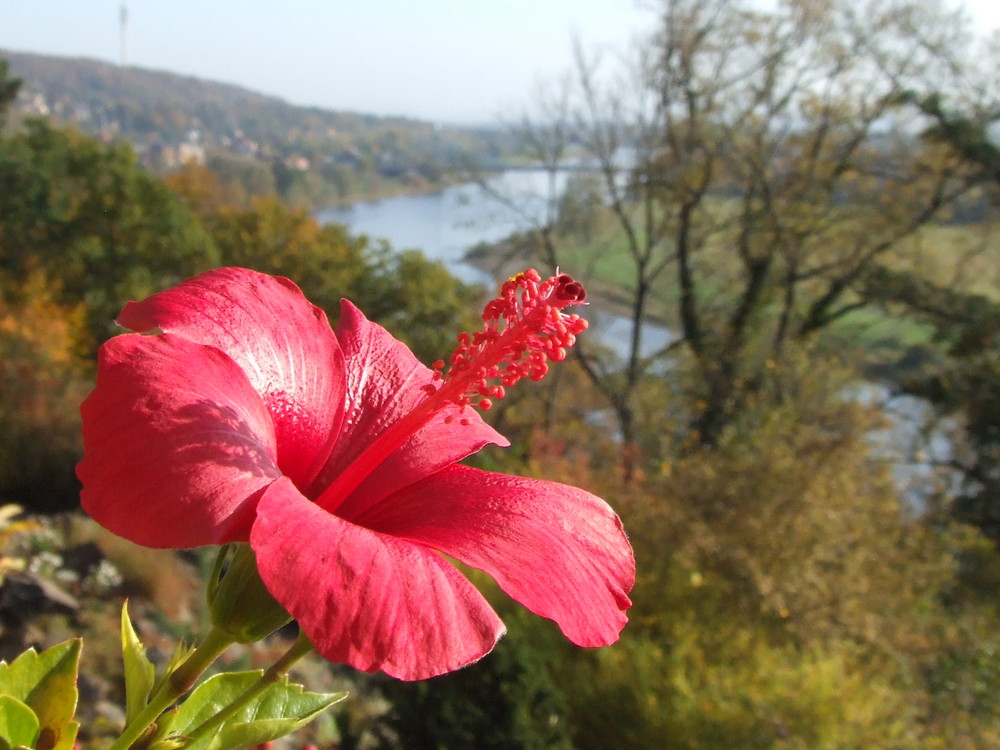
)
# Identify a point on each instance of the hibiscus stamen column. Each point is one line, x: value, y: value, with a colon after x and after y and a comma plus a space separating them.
x: 524, y: 329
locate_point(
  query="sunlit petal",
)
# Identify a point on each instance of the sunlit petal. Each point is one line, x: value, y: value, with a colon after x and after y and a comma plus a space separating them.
x: 176, y: 443
x: 282, y: 342
x: 556, y: 549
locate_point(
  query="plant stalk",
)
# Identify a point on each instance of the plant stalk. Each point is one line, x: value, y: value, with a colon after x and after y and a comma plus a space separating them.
x: 275, y: 672
x: 176, y: 684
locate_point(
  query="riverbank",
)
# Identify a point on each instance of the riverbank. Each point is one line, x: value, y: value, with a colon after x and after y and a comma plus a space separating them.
x: 500, y: 260
x: 387, y: 191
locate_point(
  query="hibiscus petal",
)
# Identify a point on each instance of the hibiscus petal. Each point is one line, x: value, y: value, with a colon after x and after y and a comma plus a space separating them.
x: 367, y: 599
x: 282, y: 342
x: 556, y: 549
x: 384, y: 384
x: 176, y: 443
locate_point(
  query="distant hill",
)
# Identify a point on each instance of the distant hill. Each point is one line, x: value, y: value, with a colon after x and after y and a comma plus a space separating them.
x: 172, y: 118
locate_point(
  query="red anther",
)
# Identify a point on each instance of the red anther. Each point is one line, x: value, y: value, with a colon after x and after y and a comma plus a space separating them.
x: 485, y: 404
x: 566, y: 288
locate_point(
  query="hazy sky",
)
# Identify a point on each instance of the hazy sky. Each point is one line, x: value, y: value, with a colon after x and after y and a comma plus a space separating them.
x: 443, y: 60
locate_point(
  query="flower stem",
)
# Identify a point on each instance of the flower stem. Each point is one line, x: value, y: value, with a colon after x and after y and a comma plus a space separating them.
x: 176, y: 683
x: 275, y: 672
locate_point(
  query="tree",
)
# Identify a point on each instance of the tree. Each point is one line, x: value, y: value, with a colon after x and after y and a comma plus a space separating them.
x: 789, y: 597
x: 9, y: 88
x: 959, y: 372
x: 505, y: 702
x: 41, y: 385
x: 967, y: 134
x: 959, y: 375
x: 756, y: 165
x: 85, y: 214
x: 412, y: 296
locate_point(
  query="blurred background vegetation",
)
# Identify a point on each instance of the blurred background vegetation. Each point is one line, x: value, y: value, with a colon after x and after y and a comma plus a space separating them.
x: 809, y: 468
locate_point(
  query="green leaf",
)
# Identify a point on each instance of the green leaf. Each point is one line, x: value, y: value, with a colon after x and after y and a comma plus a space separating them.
x: 277, y: 711
x: 46, y: 683
x: 18, y: 723
x: 139, y: 672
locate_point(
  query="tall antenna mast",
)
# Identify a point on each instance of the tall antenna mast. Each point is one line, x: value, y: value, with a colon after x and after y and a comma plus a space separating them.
x: 123, y: 22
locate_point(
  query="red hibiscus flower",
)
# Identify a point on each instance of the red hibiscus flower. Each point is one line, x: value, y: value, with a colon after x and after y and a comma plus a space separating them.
x: 236, y: 414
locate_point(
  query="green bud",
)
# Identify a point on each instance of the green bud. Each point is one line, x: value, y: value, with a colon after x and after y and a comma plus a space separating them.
x: 239, y: 602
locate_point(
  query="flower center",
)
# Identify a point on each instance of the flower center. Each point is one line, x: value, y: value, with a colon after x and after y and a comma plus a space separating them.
x: 524, y: 329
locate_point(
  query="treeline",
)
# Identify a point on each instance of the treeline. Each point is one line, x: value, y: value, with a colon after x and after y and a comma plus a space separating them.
x: 258, y: 143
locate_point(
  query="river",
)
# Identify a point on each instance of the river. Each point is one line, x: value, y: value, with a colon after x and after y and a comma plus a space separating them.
x: 446, y: 224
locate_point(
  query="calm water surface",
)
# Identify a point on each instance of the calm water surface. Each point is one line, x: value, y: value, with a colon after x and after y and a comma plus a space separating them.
x: 446, y: 224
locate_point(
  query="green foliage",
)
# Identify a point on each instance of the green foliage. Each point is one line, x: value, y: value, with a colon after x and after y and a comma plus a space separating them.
x: 417, y: 299
x: 749, y: 693
x: 271, y: 237
x: 18, y: 724
x: 246, y: 176
x: 38, y: 697
x: 139, y: 672
x: 506, y: 701
x: 88, y: 217
x: 8, y: 89
x: 42, y: 381
x: 787, y: 596
x: 803, y: 523
x: 279, y: 710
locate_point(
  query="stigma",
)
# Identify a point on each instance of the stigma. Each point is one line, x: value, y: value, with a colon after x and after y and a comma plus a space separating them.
x: 524, y: 330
